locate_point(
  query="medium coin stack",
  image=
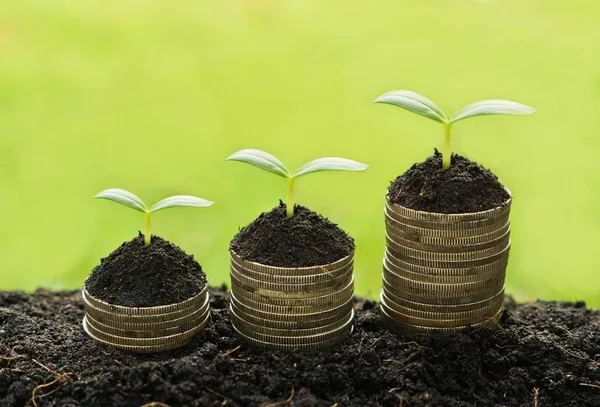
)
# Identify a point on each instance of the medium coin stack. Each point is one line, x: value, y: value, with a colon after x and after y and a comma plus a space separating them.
x: 145, y: 329
x: 443, y: 272
x: 284, y: 308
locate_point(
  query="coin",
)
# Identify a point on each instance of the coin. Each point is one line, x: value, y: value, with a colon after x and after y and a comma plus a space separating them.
x: 443, y: 322
x: 404, y: 328
x: 276, y: 312
x: 122, y: 322
x: 244, y: 325
x: 294, y: 347
x: 450, y: 217
x: 445, y: 256
x: 443, y: 279
x: 336, y: 297
x: 488, y: 268
x: 460, y: 233
x: 196, y: 300
x: 292, y: 271
x: 445, y: 225
x: 297, y: 340
x: 414, y: 236
x: 421, y: 288
x: 331, y: 283
x: 324, y: 276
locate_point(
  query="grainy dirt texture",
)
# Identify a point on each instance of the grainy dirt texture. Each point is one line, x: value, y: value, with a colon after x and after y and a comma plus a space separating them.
x: 306, y: 239
x: 463, y: 188
x: 47, y: 360
x: 136, y: 275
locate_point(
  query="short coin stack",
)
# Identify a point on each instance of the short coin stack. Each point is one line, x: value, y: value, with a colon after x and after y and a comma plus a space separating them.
x: 145, y: 329
x: 283, y: 308
x: 443, y: 272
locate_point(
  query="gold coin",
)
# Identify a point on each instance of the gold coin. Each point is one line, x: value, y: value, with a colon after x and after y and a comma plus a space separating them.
x: 292, y: 271
x: 244, y: 325
x: 330, y: 283
x: 295, y: 347
x: 458, y: 271
x: 445, y: 225
x: 297, y: 340
x: 323, y: 276
x: 460, y: 233
x: 313, y: 322
x: 281, y: 313
x: 157, y: 341
x: 421, y: 288
x: 449, y: 241
x: 142, y: 319
x: 437, y: 322
x: 443, y: 298
x: 445, y: 256
x: 137, y: 349
x: 443, y: 279
x: 452, y: 245
x: 286, y: 294
x: 443, y: 308
x: 411, y: 330
x: 449, y: 217
x: 194, y: 301
x: 448, y: 263
x: 336, y: 297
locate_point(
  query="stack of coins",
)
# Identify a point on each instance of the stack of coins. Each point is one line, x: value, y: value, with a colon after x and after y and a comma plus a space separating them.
x: 443, y: 272
x: 284, y: 308
x: 145, y: 329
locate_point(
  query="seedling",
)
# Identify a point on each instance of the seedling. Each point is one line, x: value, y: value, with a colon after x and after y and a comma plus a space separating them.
x: 272, y: 164
x: 128, y: 199
x: 419, y: 104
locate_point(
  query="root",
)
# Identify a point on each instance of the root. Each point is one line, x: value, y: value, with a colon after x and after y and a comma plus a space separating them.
x: 571, y: 353
x: 122, y: 365
x: 155, y: 404
x: 536, y: 394
x: 60, y: 378
x: 229, y: 352
x: 594, y: 385
x: 211, y: 391
x: 280, y: 403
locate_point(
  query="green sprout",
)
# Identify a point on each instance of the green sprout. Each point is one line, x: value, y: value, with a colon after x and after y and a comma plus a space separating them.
x: 272, y: 164
x: 128, y: 199
x: 419, y: 104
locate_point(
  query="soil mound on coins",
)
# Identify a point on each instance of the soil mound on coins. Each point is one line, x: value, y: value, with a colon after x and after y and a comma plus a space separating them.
x: 306, y: 239
x: 548, y: 346
x: 136, y: 275
x: 465, y: 187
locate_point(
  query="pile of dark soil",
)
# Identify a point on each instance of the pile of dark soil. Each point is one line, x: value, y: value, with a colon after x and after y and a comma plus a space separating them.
x: 306, y: 239
x: 544, y: 348
x: 136, y: 275
x: 463, y: 188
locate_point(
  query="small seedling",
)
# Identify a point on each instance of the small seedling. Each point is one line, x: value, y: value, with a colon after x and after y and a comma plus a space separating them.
x: 272, y: 164
x: 128, y: 199
x: 419, y: 104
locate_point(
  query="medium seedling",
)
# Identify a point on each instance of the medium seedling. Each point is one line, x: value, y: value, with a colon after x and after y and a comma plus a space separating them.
x: 272, y: 164
x: 423, y: 106
x: 130, y: 200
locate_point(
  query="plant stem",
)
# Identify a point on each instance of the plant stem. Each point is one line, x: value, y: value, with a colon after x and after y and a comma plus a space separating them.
x: 447, y: 154
x: 290, y: 198
x: 147, y: 235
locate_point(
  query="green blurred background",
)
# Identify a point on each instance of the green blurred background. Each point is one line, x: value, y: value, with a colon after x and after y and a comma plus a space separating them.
x: 151, y: 96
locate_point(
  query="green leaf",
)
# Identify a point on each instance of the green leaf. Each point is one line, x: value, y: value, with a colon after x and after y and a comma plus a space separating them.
x: 124, y: 198
x: 262, y: 160
x: 413, y: 102
x: 330, y: 164
x: 486, y: 107
x: 180, y: 200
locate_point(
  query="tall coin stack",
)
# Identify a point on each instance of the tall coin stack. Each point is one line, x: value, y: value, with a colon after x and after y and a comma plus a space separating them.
x: 145, y: 329
x: 285, y: 308
x: 443, y: 272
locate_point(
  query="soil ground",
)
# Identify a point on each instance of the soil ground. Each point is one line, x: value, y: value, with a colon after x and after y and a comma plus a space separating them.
x: 136, y: 275
x: 465, y: 187
x: 304, y: 240
x: 544, y: 348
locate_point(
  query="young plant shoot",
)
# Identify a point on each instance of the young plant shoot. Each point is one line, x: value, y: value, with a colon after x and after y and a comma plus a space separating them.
x: 130, y: 200
x: 272, y: 164
x: 423, y: 106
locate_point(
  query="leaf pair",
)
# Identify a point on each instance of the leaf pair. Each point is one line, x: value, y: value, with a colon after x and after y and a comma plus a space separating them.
x: 423, y: 106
